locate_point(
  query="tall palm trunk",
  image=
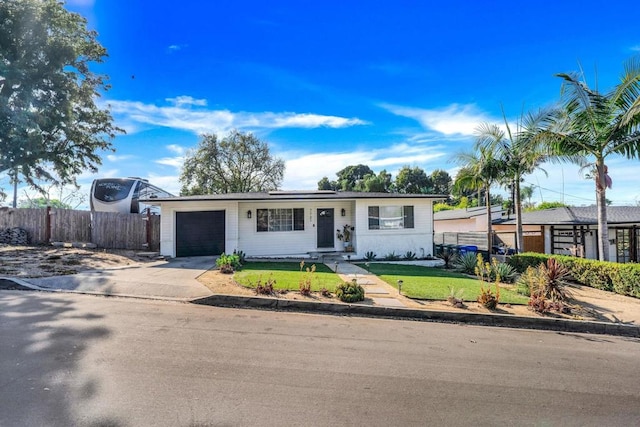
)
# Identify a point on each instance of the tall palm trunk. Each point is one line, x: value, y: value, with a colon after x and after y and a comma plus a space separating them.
x: 487, y: 197
x: 601, y: 204
x: 518, y: 209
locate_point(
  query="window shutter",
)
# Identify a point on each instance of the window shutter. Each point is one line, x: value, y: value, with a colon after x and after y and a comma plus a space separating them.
x: 298, y: 219
x: 408, y: 217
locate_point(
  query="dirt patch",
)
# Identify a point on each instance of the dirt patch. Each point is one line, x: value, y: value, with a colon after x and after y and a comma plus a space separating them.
x: 46, y: 261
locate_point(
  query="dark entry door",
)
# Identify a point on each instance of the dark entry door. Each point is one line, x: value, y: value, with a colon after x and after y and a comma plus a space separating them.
x: 325, y: 228
x: 200, y: 233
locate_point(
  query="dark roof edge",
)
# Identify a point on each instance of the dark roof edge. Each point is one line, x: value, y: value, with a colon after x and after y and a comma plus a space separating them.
x: 293, y: 197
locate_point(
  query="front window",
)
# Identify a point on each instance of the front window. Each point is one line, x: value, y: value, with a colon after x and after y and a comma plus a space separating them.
x: 622, y: 245
x: 390, y: 217
x: 280, y: 219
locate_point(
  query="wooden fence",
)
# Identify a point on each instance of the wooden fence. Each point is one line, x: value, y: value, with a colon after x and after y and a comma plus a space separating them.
x: 474, y: 238
x: 105, y: 229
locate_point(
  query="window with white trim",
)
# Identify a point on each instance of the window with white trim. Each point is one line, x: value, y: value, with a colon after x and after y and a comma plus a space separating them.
x: 390, y: 217
x: 286, y: 219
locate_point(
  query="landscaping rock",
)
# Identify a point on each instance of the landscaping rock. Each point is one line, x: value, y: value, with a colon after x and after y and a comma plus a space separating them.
x: 14, y: 236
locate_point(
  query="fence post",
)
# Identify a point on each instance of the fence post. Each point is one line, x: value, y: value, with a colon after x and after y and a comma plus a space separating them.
x: 148, y: 229
x: 47, y: 226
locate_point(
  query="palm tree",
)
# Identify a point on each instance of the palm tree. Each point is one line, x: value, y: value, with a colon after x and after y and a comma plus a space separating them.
x: 480, y: 170
x: 520, y: 151
x: 595, y: 125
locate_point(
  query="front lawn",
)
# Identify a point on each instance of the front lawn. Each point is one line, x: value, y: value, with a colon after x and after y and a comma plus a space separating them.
x: 287, y: 275
x: 434, y: 283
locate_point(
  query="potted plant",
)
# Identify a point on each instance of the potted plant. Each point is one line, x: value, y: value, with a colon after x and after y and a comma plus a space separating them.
x: 345, y: 235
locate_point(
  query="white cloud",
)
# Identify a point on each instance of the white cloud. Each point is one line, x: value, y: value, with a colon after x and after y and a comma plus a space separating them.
x: 200, y: 120
x: 303, y: 171
x: 170, y: 183
x: 176, y: 47
x: 180, y: 101
x: 117, y: 158
x: 175, y: 162
x: 177, y: 149
x: 454, y: 119
x: 635, y: 48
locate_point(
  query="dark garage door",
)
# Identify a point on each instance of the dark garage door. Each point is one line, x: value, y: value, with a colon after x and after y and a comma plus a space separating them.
x: 199, y: 233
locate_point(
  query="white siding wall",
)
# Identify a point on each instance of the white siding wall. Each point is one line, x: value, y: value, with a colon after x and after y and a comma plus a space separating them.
x: 242, y: 234
x: 382, y: 242
x: 168, y: 222
x: 269, y: 243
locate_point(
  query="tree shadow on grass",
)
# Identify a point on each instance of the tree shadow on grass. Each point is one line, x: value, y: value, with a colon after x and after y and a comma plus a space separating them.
x: 41, y: 348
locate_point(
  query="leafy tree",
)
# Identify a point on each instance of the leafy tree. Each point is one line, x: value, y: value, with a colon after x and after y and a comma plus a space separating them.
x: 520, y: 152
x: 372, y: 183
x: 349, y: 177
x: 412, y: 181
x: 437, y: 207
x: 480, y: 170
x: 595, y: 125
x: 43, y: 202
x: 526, y: 192
x: 49, y: 121
x: 547, y: 205
x: 325, y: 184
x: 237, y: 163
x: 441, y: 182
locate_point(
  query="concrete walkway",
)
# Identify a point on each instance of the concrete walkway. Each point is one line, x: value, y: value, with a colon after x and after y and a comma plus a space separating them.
x: 380, y: 292
x: 170, y: 279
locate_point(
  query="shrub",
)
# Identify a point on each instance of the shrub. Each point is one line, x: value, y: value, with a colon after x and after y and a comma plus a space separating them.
x: 503, y: 270
x: 520, y: 262
x: 528, y: 281
x: 538, y: 303
x: 410, y: 256
x: 305, y: 281
x: 449, y: 256
x: 325, y: 293
x: 467, y: 263
x: 370, y: 256
x: 455, y: 298
x: 242, y: 257
x: 553, y: 281
x: 487, y: 298
x: 228, y: 263
x: 608, y: 276
x: 391, y: 256
x: 266, y: 288
x: 350, y: 291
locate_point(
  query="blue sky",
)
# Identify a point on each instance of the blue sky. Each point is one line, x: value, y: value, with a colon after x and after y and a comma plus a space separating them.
x: 333, y: 83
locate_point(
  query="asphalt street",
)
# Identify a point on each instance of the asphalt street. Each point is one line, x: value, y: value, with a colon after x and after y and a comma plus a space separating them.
x: 68, y: 359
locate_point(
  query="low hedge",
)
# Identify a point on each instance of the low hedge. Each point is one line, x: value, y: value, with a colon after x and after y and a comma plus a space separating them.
x: 623, y: 279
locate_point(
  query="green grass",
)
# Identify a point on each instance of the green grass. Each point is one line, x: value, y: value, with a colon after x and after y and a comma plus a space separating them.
x: 434, y: 283
x: 287, y: 275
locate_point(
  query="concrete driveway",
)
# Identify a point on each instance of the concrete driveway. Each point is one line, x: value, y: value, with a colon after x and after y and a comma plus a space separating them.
x: 171, y: 279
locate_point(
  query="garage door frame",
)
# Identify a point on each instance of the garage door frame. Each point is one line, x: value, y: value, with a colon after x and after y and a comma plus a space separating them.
x: 204, y: 231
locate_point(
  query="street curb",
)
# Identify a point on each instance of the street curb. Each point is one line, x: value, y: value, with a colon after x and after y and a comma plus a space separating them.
x: 499, y: 320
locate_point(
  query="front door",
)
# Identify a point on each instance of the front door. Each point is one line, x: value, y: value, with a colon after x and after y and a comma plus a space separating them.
x: 325, y: 228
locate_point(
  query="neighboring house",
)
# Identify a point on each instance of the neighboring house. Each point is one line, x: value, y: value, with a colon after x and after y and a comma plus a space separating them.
x: 296, y: 223
x: 574, y: 231
x: 465, y: 220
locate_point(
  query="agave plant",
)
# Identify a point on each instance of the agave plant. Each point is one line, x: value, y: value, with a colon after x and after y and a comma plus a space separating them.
x: 449, y: 256
x: 466, y: 263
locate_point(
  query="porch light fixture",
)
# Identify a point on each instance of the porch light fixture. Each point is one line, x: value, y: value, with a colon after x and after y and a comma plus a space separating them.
x: 249, y: 214
x: 343, y: 212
